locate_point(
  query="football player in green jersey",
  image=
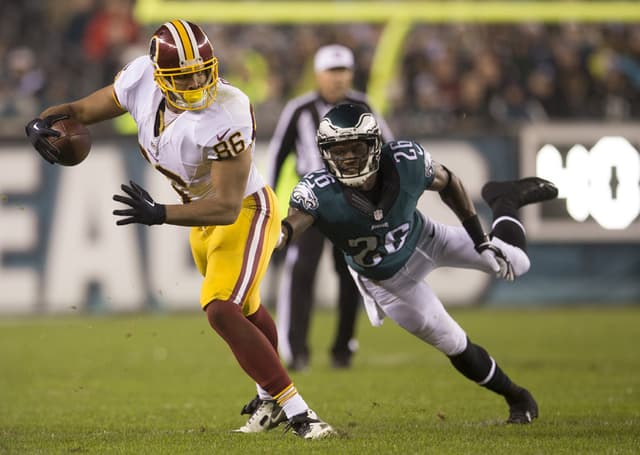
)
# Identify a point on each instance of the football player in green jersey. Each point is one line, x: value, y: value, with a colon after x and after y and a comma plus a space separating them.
x: 365, y: 202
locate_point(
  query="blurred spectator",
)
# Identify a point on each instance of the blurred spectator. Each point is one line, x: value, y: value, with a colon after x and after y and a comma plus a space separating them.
x: 110, y: 28
x: 26, y: 81
x: 107, y: 34
x: 541, y: 84
x: 450, y: 76
x: 514, y: 105
x: 472, y: 111
x: 77, y: 24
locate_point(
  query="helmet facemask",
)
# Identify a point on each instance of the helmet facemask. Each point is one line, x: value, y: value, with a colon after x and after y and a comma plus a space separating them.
x: 173, y: 83
x: 186, y: 71
x: 349, y: 142
x: 352, y: 162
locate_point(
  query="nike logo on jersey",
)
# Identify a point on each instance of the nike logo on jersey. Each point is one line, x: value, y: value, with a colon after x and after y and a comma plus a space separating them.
x: 221, y: 136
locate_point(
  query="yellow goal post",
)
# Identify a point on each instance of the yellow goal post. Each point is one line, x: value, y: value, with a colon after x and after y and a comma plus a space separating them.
x: 396, y: 16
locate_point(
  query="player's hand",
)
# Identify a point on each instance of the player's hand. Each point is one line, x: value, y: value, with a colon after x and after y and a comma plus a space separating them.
x: 38, y: 130
x: 495, y: 258
x: 143, y: 209
x: 286, y: 234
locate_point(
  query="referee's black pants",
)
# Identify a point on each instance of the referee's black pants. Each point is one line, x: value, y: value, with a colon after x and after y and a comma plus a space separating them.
x: 296, y: 298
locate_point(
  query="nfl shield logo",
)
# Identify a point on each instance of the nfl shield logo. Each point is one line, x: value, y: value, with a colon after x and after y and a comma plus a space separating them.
x: 378, y: 215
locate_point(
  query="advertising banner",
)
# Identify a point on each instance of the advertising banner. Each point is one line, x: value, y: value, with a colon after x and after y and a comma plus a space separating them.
x: 61, y: 251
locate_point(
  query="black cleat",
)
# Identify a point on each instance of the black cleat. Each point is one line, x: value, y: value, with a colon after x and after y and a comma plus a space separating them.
x: 308, y: 426
x: 529, y: 190
x: 341, y: 362
x: 522, y: 408
x: 341, y: 359
x: 299, y: 363
x: 342, y: 354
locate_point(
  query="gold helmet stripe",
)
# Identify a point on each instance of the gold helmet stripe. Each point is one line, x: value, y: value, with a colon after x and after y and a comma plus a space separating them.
x: 187, y: 38
x: 180, y: 35
x: 193, y: 41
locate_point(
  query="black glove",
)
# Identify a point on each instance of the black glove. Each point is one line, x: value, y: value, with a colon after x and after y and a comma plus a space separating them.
x: 497, y: 260
x: 38, y: 130
x: 144, y: 209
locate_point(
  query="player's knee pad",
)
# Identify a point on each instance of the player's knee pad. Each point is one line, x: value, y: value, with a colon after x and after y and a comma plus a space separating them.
x: 448, y: 338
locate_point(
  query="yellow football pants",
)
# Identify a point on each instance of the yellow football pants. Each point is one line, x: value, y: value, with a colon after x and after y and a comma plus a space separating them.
x: 234, y: 258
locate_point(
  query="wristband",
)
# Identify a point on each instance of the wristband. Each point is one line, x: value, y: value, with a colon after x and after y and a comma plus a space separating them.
x: 287, y: 227
x: 474, y: 229
x: 161, y: 214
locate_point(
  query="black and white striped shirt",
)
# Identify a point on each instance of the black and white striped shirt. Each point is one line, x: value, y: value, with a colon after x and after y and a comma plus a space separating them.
x: 296, y: 132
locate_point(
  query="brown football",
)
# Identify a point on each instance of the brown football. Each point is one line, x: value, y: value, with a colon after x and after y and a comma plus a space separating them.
x: 74, y: 141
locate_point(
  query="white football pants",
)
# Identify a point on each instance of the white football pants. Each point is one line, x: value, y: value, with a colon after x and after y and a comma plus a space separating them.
x: 406, y: 297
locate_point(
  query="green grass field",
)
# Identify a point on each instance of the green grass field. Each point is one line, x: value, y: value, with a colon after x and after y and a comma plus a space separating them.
x: 165, y: 384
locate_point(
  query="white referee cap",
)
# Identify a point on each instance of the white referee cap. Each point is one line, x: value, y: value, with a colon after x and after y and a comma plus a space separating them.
x: 332, y: 56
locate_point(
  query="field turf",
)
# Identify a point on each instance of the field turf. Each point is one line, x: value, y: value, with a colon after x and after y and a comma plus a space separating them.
x: 165, y: 384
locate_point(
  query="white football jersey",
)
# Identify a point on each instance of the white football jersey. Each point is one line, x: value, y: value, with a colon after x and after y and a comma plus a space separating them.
x: 183, y: 147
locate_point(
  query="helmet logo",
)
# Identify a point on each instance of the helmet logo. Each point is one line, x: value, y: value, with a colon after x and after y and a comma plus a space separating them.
x: 153, y: 49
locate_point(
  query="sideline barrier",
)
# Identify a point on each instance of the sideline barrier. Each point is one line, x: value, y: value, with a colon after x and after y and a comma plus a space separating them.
x: 60, y: 250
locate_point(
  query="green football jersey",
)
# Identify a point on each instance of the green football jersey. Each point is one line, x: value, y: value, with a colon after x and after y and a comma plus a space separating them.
x: 377, y: 239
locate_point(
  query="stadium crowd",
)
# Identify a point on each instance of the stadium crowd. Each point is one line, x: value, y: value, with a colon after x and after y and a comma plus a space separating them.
x: 452, y: 78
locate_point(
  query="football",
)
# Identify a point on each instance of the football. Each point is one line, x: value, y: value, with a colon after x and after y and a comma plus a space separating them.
x: 74, y: 141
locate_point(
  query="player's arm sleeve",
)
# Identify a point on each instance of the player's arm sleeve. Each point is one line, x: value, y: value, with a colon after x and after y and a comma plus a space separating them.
x: 429, y: 167
x: 115, y: 98
x: 303, y: 198
x: 230, y: 142
x: 127, y: 80
x: 232, y: 137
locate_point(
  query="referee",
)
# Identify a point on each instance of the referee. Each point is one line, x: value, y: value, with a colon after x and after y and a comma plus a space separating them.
x: 295, y: 133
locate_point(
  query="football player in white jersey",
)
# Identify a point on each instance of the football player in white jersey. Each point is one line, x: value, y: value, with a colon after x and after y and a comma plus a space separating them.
x: 198, y: 131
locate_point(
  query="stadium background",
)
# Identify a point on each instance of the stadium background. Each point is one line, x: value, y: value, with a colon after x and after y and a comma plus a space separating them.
x: 493, y: 89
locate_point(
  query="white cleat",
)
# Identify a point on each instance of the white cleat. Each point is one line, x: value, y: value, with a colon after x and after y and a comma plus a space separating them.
x: 265, y: 415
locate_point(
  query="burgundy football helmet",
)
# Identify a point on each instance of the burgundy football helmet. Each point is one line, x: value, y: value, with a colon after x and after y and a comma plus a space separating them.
x: 185, y: 68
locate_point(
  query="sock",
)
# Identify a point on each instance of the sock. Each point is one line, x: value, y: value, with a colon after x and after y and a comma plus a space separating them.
x: 253, y: 351
x: 291, y: 402
x: 264, y: 322
x: 504, y: 206
x: 263, y: 394
x: 511, y: 230
x: 476, y: 364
